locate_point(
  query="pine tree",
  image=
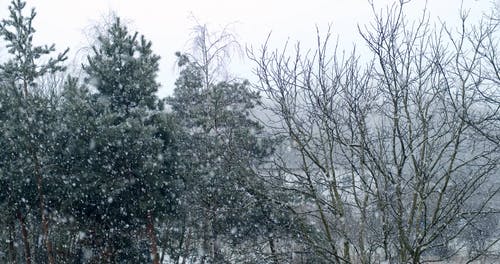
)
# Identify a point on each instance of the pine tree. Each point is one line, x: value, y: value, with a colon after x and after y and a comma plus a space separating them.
x: 127, y: 158
x: 123, y: 68
x: 221, y: 151
x: 29, y: 119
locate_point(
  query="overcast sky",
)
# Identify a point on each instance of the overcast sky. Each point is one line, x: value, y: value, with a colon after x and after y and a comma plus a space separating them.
x: 168, y: 23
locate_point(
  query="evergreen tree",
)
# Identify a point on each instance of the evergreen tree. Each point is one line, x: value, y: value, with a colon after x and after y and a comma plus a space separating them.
x: 123, y: 69
x: 221, y: 151
x: 29, y: 124
x: 126, y: 185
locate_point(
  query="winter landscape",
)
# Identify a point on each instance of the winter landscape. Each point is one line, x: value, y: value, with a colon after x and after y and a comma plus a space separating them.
x: 384, y: 151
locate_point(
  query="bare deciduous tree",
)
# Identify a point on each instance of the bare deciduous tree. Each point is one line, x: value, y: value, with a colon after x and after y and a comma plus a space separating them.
x: 395, y: 158
x: 212, y: 50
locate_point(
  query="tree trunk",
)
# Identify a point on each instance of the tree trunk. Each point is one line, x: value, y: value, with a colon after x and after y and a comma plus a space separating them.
x: 12, y: 248
x: 206, y: 237
x: 24, y: 234
x: 45, y: 222
x: 347, y: 255
x: 187, y: 246
x: 39, y: 178
x: 217, y: 256
x: 162, y: 255
x: 152, y: 237
x: 272, y: 247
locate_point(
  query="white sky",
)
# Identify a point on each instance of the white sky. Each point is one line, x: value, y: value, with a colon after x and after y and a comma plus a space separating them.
x: 167, y: 23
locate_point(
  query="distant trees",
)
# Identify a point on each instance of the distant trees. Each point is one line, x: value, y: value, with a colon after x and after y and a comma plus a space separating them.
x: 391, y: 156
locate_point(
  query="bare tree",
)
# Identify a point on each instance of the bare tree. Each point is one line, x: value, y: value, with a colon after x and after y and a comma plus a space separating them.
x: 212, y: 50
x: 387, y: 154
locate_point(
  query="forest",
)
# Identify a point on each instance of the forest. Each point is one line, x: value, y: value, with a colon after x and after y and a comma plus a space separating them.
x: 329, y: 156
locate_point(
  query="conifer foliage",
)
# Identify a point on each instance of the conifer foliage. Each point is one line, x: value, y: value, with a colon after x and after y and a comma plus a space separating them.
x: 123, y: 69
x: 27, y: 120
x: 126, y: 156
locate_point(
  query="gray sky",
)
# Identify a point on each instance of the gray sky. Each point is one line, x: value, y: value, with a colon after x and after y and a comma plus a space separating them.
x: 167, y: 23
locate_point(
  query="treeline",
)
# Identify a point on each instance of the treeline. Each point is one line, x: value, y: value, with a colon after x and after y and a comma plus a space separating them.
x: 390, y: 156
